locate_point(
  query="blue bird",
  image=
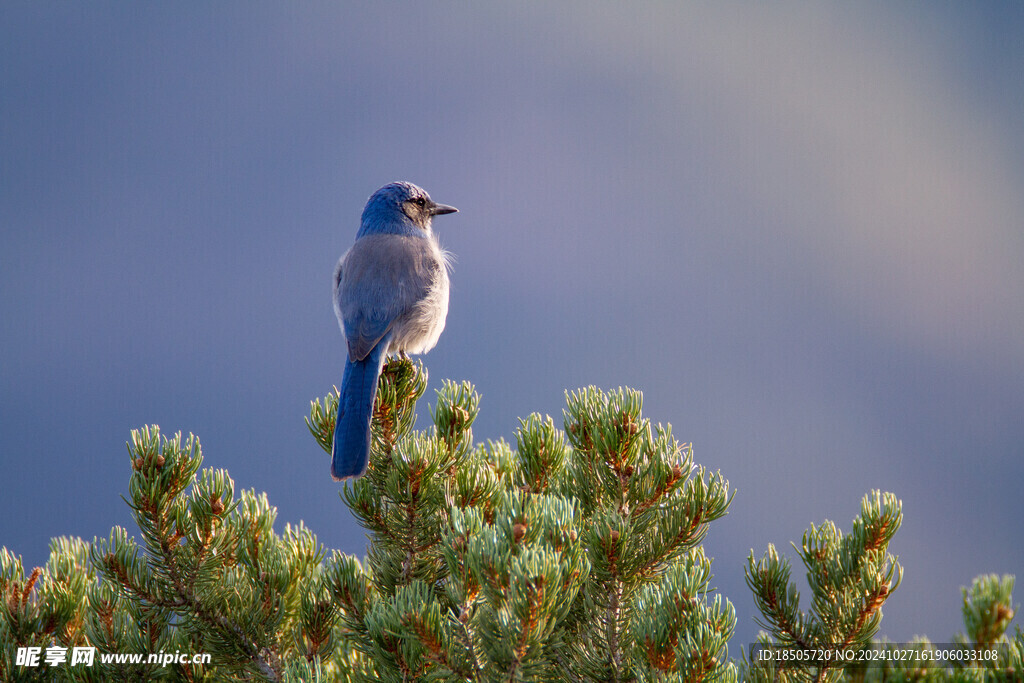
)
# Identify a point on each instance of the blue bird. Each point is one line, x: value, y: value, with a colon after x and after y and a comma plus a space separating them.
x: 390, y: 296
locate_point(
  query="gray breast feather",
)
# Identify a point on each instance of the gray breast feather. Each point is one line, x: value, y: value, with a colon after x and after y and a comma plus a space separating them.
x: 392, y: 283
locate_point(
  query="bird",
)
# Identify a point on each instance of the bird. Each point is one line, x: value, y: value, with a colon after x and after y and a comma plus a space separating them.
x: 390, y: 296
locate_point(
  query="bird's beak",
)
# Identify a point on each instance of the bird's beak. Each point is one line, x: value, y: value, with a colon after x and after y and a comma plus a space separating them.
x: 440, y: 209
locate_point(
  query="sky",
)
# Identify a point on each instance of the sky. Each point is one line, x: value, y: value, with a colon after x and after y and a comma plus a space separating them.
x: 797, y: 228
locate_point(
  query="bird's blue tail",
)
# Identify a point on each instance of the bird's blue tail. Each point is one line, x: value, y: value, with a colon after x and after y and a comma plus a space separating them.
x: 351, y: 451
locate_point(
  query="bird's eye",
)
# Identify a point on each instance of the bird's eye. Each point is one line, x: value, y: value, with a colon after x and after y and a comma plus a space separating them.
x: 420, y: 201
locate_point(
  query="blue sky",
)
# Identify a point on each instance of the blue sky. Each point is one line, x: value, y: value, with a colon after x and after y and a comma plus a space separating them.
x: 799, y: 230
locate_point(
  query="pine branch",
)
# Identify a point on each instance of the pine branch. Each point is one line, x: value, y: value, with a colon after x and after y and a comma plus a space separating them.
x: 850, y: 577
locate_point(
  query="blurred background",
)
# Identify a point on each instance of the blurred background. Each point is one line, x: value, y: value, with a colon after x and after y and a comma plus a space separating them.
x: 798, y: 229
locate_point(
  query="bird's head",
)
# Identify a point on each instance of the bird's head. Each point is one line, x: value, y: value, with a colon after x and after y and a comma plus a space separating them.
x: 397, y: 207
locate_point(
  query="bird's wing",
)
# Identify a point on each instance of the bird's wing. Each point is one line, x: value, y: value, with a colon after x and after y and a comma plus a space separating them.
x: 380, y: 278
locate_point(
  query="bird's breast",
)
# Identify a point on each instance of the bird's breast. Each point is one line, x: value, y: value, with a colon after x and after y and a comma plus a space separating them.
x: 419, y: 329
x: 396, y: 283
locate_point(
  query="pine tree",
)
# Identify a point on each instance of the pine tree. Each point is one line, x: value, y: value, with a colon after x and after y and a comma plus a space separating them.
x: 573, y: 554
x: 566, y: 558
